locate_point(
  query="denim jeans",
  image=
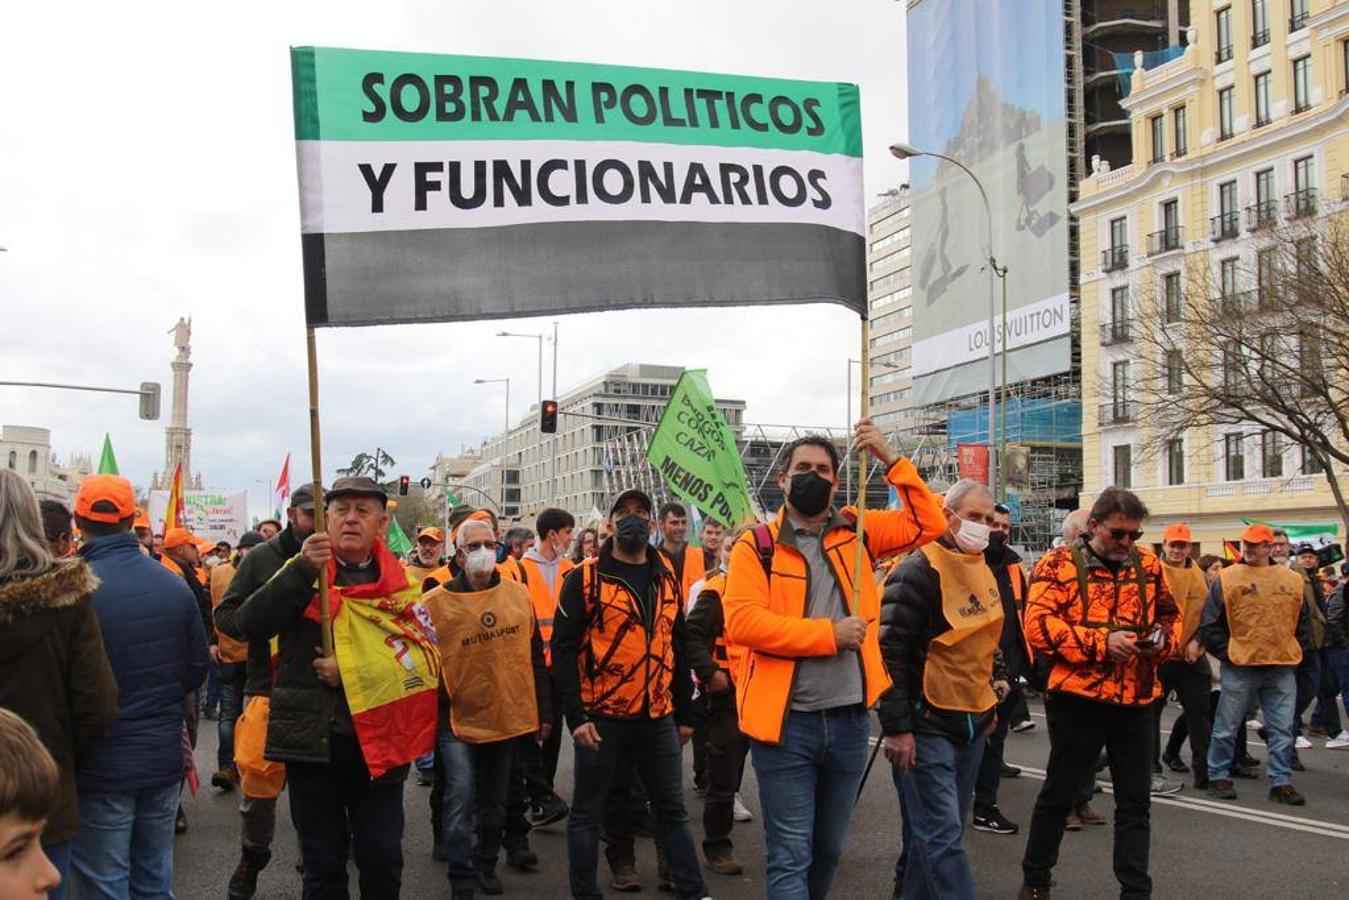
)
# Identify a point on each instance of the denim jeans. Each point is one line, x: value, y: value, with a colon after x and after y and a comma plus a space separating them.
x: 807, y: 789
x: 477, y: 779
x: 231, y: 706
x: 1276, y: 686
x: 936, y: 793
x: 654, y: 747
x: 59, y: 855
x: 125, y: 844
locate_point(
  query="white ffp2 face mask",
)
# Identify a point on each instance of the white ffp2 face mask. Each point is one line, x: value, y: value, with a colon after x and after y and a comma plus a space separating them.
x: 972, y: 536
x: 480, y: 561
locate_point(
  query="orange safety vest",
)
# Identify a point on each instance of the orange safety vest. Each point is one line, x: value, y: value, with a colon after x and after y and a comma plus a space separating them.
x: 544, y: 600
x: 729, y: 657
x: 1191, y: 592
x: 508, y: 570
x: 626, y: 670
x: 693, y: 569
x: 231, y: 651
x: 958, y: 674
x: 1263, y: 604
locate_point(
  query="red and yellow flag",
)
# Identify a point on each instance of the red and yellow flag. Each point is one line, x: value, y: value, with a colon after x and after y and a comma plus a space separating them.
x: 173, y: 513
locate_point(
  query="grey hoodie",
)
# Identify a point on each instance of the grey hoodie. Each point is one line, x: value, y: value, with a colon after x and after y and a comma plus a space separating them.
x: 547, y: 566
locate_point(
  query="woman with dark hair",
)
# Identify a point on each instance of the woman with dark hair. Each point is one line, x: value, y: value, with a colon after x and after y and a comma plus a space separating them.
x: 587, y: 545
x: 54, y: 669
x: 1211, y: 565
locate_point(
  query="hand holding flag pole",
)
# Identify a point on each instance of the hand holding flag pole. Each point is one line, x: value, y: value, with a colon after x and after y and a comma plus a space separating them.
x: 316, y: 454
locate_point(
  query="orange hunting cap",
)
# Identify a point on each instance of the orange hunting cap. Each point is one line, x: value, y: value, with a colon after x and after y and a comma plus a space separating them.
x: 203, y: 545
x: 1176, y: 531
x: 105, y: 498
x: 178, y: 537
x: 435, y: 534
x: 142, y: 519
x: 1257, y: 534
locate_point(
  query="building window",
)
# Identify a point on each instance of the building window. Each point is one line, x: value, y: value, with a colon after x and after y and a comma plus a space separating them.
x: 1266, y: 275
x: 1226, y: 116
x: 1180, y: 134
x: 1271, y: 454
x: 1262, y: 99
x: 1259, y: 23
x: 1309, y: 360
x: 1227, y: 277
x: 1302, y: 84
x: 1119, y: 388
x: 1298, y: 13
x: 1263, y: 214
x: 1226, y: 223
x: 1123, y: 459
x: 1171, y: 297
x: 1223, y: 19
x: 1119, y: 312
x: 1310, y: 464
x: 32, y: 462
x: 1231, y: 362
x: 1157, y: 125
x: 1175, y: 461
x: 1175, y: 372
x: 1119, y: 232
x: 1234, y: 461
x: 1344, y: 65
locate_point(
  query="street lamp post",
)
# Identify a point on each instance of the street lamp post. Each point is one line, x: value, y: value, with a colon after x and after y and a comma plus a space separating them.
x: 507, y: 382
x: 540, y: 338
x: 847, y: 430
x: 905, y: 151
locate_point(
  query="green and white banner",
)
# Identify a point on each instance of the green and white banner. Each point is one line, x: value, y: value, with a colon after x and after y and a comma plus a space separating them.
x: 437, y: 188
x: 694, y: 450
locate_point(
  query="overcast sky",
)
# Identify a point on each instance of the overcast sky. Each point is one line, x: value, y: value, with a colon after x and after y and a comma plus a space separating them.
x: 147, y: 172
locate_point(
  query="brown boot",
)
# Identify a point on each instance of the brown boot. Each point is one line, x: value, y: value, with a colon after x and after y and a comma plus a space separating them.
x: 1089, y: 816
x: 625, y: 880
x: 723, y: 862
x: 244, y: 882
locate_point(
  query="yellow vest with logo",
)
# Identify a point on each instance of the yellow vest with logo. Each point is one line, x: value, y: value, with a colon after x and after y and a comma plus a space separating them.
x: 959, y: 671
x: 1263, y: 604
x: 486, y: 665
x: 1187, y: 586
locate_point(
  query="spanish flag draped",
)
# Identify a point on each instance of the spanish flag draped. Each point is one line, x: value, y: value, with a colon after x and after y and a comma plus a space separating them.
x: 390, y: 665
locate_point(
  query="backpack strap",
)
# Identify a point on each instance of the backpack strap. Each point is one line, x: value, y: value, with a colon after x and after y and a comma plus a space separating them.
x: 763, y: 543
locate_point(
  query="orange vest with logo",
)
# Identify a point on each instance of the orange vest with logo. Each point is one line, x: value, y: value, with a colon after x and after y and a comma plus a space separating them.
x: 486, y: 665
x: 1191, y: 592
x: 544, y: 600
x: 1263, y: 604
x: 231, y: 651
x: 626, y: 666
x: 958, y: 675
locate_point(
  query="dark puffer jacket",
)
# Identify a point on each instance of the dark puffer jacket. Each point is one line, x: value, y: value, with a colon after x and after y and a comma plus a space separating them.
x: 157, y: 647
x: 54, y: 673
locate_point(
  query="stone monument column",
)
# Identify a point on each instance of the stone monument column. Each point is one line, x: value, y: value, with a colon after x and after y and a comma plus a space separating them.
x: 177, y: 436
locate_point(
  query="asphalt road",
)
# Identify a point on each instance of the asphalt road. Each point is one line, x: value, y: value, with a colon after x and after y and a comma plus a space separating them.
x: 1200, y: 847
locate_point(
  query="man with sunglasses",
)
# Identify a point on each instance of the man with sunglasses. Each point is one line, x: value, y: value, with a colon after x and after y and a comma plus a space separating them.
x: 1100, y: 609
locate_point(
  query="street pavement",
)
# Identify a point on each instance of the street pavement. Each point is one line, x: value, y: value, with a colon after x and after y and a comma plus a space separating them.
x: 1200, y: 847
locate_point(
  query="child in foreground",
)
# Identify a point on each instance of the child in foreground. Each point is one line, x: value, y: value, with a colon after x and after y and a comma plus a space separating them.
x: 28, y: 786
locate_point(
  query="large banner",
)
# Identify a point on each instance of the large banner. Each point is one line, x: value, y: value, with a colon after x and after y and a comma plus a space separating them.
x: 454, y: 187
x: 213, y: 515
x: 986, y: 87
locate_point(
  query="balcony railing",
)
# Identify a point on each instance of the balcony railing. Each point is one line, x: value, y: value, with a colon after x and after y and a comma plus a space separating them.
x: 1118, y: 331
x: 1222, y: 54
x: 1238, y: 302
x: 1264, y: 214
x: 1260, y: 39
x: 1115, y: 258
x: 1298, y: 21
x: 1118, y: 412
x: 1300, y: 203
x: 1164, y: 241
x: 1225, y: 225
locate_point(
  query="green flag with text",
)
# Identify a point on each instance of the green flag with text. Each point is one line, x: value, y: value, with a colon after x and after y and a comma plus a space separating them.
x: 694, y: 450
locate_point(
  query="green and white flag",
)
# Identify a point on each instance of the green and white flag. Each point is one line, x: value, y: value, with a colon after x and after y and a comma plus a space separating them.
x: 694, y: 450
x: 437, y: 188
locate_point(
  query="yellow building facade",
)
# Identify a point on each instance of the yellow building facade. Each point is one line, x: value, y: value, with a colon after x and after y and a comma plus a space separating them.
x: 1247, y: 127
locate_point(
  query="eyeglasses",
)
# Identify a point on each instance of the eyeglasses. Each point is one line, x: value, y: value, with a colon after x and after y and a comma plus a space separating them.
x: 1120, y: 534
x: 478, y: 545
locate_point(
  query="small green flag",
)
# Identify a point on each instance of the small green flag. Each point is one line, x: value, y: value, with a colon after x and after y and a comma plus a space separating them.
x: 694, y: 450
x: 396, y: 540
x: 453, y: 499
x: 107, y: 463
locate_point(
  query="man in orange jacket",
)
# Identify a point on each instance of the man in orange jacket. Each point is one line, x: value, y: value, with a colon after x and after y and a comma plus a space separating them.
x: 1101, y: 611
x: 812, y: 665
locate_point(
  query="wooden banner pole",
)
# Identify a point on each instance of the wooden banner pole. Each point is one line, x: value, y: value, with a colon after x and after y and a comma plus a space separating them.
x: 316, y: 457
x: 863, y: 464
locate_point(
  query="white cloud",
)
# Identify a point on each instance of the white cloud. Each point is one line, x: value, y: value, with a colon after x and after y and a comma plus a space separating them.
x: 149, y: 173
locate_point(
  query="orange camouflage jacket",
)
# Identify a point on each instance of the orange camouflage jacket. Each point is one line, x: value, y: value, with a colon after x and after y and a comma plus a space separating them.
x: 1071, y: 629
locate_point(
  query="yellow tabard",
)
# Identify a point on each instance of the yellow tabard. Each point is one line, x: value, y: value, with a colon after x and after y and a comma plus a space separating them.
x: 1186, y: 583
x: 1263, y: 604
x: 959, y: 668
x: 486, y: 667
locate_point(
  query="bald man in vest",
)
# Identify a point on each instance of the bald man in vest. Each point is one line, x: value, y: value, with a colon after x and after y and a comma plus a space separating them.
x: 1256, y: 623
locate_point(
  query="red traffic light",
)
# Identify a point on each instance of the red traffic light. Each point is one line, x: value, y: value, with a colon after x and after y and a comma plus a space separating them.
x: 403, y: 481
x: 548, y: 417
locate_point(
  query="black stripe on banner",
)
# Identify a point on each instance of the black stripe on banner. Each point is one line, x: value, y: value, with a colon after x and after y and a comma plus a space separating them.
x: 513, y: 271
x: 315, y: 279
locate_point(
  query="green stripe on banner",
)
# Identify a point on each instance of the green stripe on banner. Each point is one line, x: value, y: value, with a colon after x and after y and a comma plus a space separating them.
x: 361, y: 95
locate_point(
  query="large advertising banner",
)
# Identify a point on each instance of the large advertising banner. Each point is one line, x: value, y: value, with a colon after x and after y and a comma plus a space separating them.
x: 442, y: 188
x: 987, y: 87
x: 213, y: 515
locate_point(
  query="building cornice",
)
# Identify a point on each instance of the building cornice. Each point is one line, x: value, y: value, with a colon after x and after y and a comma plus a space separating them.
x: 1192, y: 76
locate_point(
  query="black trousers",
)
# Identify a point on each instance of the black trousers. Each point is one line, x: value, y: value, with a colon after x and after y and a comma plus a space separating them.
x: 1078, y: 728
x: 539, y: 763
x: 1181, y: 731
x: 989, y: 777
x: 334, y: 806
x: 1191, y: 682
x: 726, y: 751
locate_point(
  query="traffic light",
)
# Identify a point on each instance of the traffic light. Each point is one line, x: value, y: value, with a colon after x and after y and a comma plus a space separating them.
x: 403, y: 485
x: 548, y: 417
x: 149, y: 400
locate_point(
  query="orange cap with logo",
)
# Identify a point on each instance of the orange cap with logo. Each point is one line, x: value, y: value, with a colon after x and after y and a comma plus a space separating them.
x: 1176, y: 532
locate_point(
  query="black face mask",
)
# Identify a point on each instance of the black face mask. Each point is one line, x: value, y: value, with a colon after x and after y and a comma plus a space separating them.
x: 809, y: 493
x: 996, y: 541
x: 631, y: 533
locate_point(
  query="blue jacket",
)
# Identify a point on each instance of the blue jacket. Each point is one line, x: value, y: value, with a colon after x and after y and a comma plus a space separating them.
x: 157, y: 647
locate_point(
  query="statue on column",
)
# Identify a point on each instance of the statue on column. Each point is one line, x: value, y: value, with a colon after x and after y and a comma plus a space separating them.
x: 182, y: 337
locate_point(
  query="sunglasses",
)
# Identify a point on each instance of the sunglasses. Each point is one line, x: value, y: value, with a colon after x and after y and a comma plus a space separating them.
x: 1120, y: 534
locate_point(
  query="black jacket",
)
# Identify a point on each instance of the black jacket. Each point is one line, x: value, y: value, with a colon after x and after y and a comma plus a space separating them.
x: 1013, y: 640
x: 705, y: 623
x: 910, y: 619
x: 255, y: 568
x: 1337, y: 623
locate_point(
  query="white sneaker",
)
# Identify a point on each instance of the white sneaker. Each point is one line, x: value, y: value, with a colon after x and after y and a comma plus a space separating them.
x: 1339, y: 742
x: 1253, y: 724
x: 1302, y: 743
x: 1024, y: 726
x: 740, y: 812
